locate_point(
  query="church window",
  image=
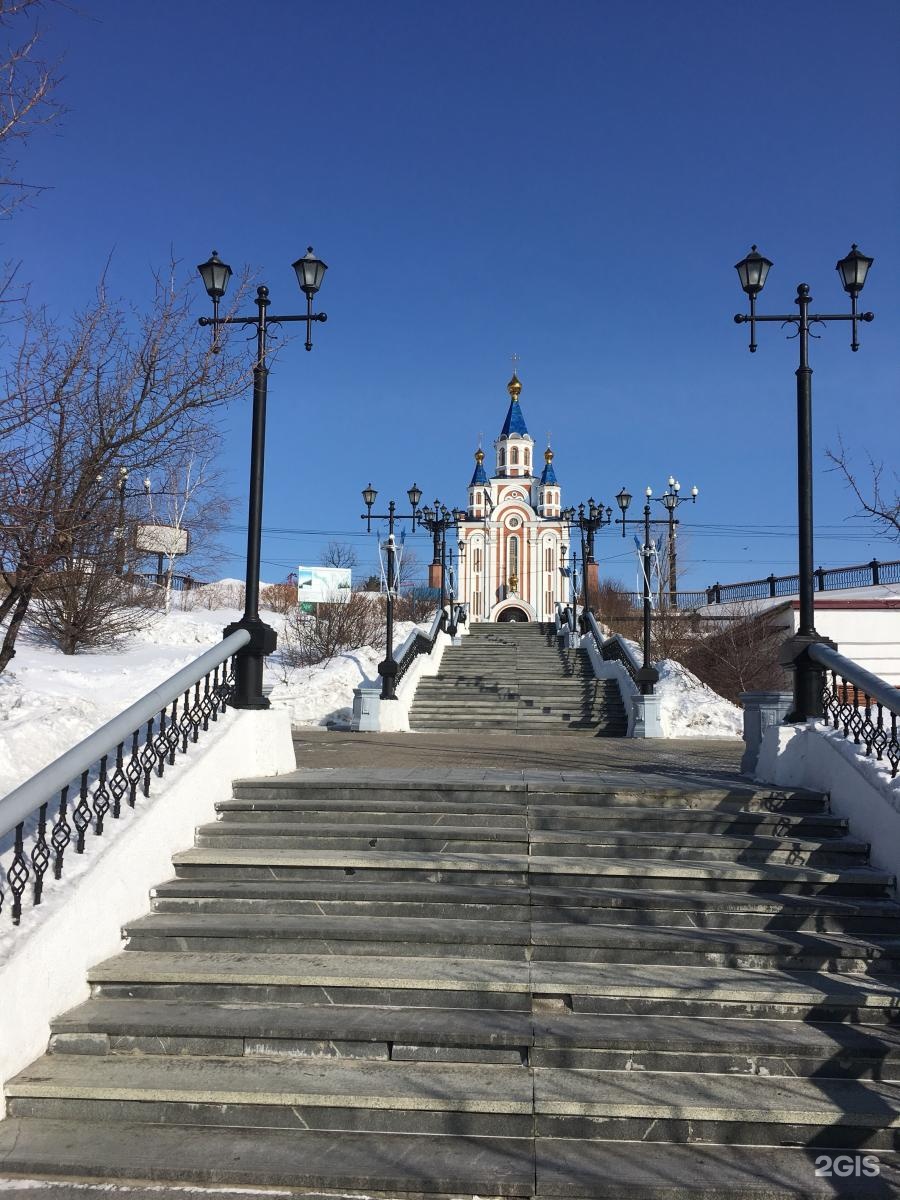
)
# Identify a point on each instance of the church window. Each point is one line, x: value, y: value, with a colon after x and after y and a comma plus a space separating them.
x: 527, y: 459
x: 514, y: 556
x: 548, y: 558
x: 502, y: 458
x: 514, y: 455
x: 476, y: 558
x: 478, y: 499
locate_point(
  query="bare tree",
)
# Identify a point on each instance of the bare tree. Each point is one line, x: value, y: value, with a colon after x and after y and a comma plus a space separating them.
x: 874, y: 498
x: 339, y: 554
x: 309, y: 639
x: 739, y: 653
x: 110, y: 389
x: 191, y: 507
x: 27, y: 94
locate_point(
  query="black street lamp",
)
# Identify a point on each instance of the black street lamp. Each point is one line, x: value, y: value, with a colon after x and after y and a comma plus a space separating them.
x: 671, y: 499
x: 647, y: 676
x: 752, y: 272
x: 438, y: 521
x: 588, y: 521
x: 388, y: 668
x: 215, y: 275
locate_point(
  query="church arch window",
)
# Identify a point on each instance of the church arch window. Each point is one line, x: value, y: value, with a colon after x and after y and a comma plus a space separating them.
x: 527, y: 459
x: 514, y: 456
x: 502, y: 457
x: 513, y: 556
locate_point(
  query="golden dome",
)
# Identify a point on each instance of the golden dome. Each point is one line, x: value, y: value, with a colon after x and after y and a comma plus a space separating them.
x: 548, y: 455
x: 514, y: 387
x: 479, y: 456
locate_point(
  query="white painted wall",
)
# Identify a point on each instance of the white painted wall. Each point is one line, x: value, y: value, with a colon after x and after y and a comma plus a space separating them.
x: 817, y: 757
x: 43, y: 972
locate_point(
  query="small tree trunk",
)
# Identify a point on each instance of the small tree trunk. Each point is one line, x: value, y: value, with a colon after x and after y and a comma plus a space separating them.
x: 8, y: 649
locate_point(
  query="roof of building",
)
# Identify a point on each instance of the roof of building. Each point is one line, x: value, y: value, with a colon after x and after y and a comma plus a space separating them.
x: 548, y: 475
x: 480, y: 475
x: 514, y: 425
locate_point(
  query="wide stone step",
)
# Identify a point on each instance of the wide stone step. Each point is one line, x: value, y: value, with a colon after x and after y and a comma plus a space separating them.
x: 671, y: 945
x: 350, y: 1094
x: 373, y: 1164
x: 103, y: 1026
x: 450, y: 982
x: 714, y: 847
x: 739, y: 1046
x: 746, y: 1109
x: 716, y: 991
x: 347, y: 897
x: 574, y: 1169
x: 236, y: 834
x: 311, y: 935
x: 740, y: 823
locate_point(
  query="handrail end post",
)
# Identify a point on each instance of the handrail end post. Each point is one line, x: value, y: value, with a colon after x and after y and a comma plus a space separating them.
x: 248, y: 663
x: 809, y: 676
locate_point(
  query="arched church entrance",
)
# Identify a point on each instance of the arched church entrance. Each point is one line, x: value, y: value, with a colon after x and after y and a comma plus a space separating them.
x: 514, y: 614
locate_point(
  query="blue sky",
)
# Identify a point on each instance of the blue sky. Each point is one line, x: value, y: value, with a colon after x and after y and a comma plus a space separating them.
x: 570, y: 181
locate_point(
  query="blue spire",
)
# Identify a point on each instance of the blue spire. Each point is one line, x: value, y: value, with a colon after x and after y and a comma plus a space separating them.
x: 515, y: 422
x: 479, y: 476
x: 548, y: 475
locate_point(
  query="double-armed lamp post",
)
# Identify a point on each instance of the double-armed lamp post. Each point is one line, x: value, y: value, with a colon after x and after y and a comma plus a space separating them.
x: 388, y: 668
x: 588, y: 520
x: 438, y: 521
x: 671, y: 500
x: 215, y: 274
x: 752, y: 272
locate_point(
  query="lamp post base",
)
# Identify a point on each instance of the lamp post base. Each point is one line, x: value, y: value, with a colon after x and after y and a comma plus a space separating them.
x: 248, y: 666
x: 647, y: 679
x: 809, y: 677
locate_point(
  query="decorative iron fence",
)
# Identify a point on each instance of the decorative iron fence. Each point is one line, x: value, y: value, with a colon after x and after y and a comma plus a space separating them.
x: 832, y: 579
x: 423, y: 643
x: 108, y: 767
x: 864, y: 706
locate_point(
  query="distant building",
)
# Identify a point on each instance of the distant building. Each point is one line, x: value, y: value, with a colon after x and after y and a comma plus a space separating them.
x: 514, y: 544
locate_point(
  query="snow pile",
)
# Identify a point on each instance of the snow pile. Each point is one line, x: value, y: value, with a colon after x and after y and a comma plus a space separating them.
x: 50, y: 701
x: 689, y: 708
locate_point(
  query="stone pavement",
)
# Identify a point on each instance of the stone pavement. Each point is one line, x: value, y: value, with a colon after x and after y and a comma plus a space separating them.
x: 468, y: 756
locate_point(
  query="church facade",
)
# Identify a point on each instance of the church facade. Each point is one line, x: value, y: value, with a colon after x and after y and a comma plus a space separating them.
x: 513, y: 543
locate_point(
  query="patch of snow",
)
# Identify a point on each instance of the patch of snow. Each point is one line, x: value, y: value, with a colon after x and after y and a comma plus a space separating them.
x: 689, y: 708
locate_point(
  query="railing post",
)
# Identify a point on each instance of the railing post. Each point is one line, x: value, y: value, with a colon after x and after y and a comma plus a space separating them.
x: 771, y: 583
x: 820, y: 579
x: 876, y: 577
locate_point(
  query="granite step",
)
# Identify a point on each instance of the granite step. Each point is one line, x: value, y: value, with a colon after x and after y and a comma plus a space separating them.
x: 352, y: 836
x: 452, y: 901
x: 339, y: 1094
x: 722, y: 909
x: 716, y: 991
x: 446, y: 982
x: 739, y: 823
x: 674, y: 1107
x: 575, y: 1169
x: 673, y: 945
x: 442, y: 1167
x: 314, y: 935
x: 104, y: 1026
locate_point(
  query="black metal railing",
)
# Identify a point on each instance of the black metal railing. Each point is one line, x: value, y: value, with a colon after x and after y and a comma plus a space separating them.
x: 180, y: 583
x: 420, y: 643
x: 83, y: 788
x: 865, y: 707
x: 832, y: 579
x: 612, y: 649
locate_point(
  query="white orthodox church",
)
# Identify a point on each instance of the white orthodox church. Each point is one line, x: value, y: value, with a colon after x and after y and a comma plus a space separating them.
x: 513, y: 542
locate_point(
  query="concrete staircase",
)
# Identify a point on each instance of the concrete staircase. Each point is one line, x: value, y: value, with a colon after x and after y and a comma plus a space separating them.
x: 473, y: 985
x: 516, y: 677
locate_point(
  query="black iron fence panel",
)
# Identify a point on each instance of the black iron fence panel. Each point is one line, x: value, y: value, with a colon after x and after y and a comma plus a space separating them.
x: 86, y: 804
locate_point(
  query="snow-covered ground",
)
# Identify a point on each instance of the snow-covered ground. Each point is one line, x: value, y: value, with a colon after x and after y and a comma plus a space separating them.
x: 50, y: 701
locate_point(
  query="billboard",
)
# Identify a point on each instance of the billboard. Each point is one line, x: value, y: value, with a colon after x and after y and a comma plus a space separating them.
x: 161, y: 539
x: 323, y: 585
